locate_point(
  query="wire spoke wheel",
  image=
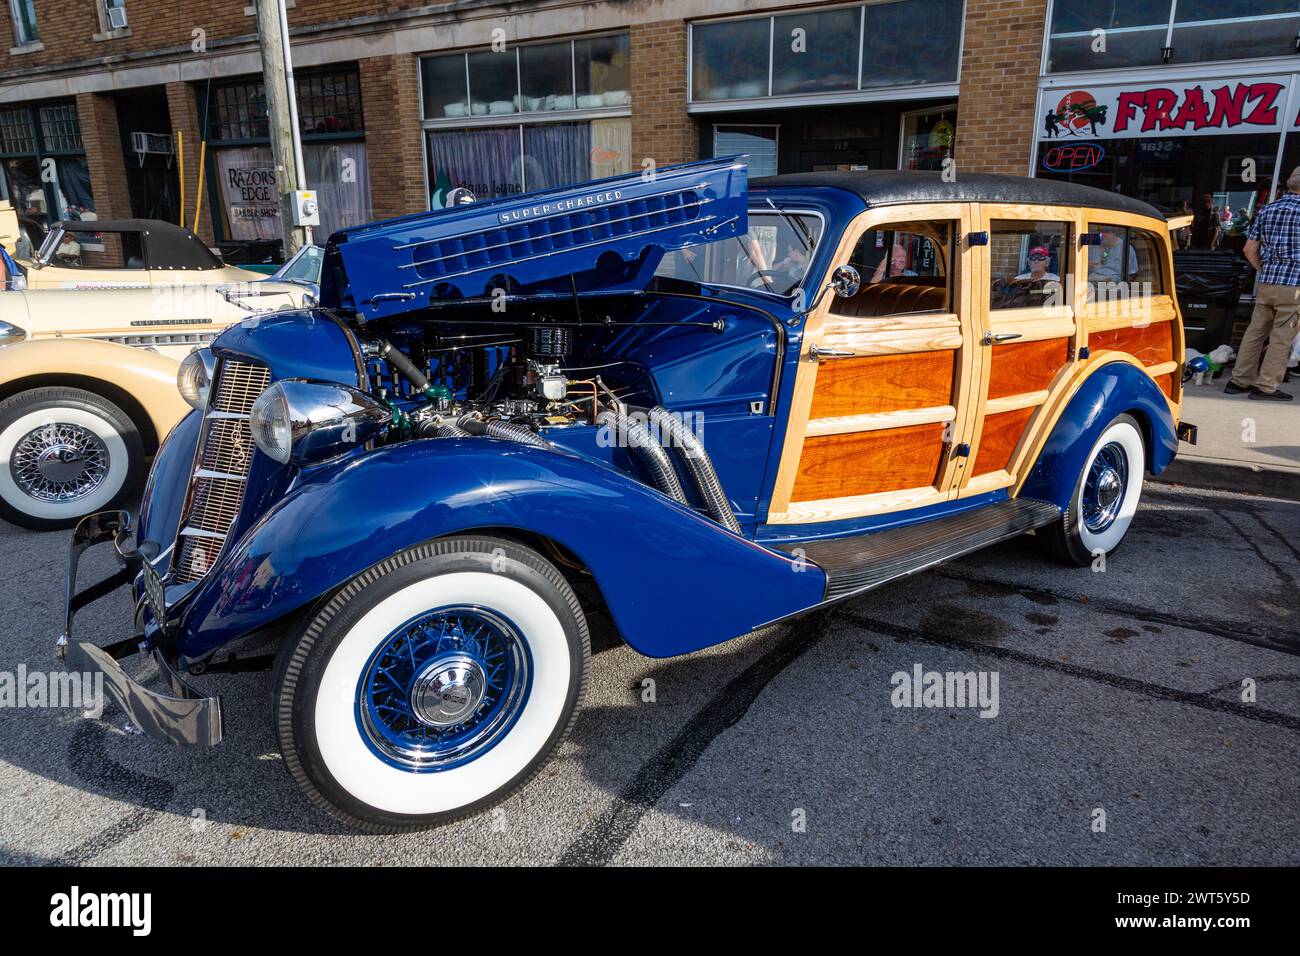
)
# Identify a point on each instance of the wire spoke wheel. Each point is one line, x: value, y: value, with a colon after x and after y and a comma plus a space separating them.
x: 444, y: 688
x: 1103, y: 490
x: 59, y: 462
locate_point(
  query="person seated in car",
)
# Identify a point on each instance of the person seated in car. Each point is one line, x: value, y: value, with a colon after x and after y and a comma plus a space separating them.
x: 1039, y: 257
x: 897, y: 263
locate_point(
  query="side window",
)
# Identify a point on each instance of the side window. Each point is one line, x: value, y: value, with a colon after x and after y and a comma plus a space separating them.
x: 1147, y: 248
x: 1030, y: 264
x: 1123, y: 263
x: 904, y: 269
x: 102, y: 250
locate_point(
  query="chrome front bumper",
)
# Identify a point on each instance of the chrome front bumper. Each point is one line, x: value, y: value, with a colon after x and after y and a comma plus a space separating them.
x: 183, y: 716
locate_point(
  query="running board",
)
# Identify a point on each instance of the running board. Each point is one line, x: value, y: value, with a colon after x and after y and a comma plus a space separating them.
x: 862, y: 562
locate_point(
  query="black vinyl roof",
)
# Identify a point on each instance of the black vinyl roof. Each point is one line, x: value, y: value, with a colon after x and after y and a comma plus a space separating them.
x: 892, y: 187
x: 167, y: 245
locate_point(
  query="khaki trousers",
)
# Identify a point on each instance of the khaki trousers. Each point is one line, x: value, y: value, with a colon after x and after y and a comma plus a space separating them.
x: 1274, y: 322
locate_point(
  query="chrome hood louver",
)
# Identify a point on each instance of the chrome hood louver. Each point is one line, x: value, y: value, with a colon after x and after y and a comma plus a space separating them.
x: 221, y: 465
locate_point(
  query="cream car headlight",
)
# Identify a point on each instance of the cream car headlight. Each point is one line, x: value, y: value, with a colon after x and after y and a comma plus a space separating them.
x: 305, y: 422
x: 9, y: 334
x: 194, y: 377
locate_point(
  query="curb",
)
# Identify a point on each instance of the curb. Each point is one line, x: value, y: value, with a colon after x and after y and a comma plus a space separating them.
x: 1222, y: 476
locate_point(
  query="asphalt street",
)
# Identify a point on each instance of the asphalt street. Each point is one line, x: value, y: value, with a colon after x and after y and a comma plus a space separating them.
x: 1120, y: 701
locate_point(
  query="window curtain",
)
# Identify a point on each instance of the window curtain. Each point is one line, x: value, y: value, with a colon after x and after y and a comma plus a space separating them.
x: 340, y: 175
x: 556, y: 154
x: 611, y: 147
x: 485, y: 161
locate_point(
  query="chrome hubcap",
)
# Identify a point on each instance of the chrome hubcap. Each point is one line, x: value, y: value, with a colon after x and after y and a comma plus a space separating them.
x: 448, y: 690
x: 1103, y: 490
x: 59, y: 462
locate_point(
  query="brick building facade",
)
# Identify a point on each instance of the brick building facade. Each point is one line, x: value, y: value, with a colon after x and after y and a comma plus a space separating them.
x: 556, y: 90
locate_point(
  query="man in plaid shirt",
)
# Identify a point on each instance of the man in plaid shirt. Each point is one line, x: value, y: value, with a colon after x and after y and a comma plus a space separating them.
x: 1273, y: 248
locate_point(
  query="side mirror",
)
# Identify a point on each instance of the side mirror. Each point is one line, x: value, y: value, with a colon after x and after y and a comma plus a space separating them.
x: 460, y: 196
x: 845, y: 281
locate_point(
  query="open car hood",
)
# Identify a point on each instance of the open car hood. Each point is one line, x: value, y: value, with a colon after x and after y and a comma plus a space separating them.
x: 602, y: 236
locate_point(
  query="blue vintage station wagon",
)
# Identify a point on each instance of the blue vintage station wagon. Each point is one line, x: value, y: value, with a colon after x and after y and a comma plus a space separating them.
x: 687, y: 403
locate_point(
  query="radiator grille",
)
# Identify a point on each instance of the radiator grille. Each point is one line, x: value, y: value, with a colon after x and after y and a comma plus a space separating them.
x: 221, y: 469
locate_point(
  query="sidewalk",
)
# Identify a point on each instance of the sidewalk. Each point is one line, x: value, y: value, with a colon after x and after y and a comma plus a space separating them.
x: 1242, y: 445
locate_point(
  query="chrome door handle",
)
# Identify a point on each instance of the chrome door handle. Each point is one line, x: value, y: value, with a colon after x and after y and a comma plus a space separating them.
x: 819, y: 354
x: 991, y: 337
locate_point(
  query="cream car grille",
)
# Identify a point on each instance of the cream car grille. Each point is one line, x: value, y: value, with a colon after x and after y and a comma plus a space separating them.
x: 220, y: 471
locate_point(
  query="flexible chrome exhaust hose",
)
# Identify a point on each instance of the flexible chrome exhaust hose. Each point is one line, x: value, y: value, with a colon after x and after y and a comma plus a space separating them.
x: 512, y: 432
x: 698, y: 464
x: 632, y: 435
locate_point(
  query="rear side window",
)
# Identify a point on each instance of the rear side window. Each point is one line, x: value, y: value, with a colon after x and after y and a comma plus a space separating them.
x: 1030, y: 262
x: 1123, y: 263
x: 101, y: 250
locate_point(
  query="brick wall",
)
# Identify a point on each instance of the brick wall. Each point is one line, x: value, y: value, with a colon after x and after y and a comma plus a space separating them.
x: 99, y: 134
x: 184, y: 118
x: 390, y: 94
x: 999, y: 73
x: 68, y: 28
x: 661, y: 128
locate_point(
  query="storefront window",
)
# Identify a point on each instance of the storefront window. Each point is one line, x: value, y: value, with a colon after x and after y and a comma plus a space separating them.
x: 603, y: 71
x: 912, y: 42
x: 729, y: 60
x: 1084, y: 36
x: 905, y: 43
x: 493, y: 83
x: 816, y: 51
x: 45, y: 172
x: 587, y: 74
x: 928, y: 139
x: 546, y: 76
x: 334, y: 154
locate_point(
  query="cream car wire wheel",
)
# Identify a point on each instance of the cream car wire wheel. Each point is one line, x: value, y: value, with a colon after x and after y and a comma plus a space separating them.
x: 60, y: 463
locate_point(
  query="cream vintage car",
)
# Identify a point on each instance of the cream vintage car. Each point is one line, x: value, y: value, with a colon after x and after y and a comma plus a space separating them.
x: 125, y: 254
x: 88, y: 384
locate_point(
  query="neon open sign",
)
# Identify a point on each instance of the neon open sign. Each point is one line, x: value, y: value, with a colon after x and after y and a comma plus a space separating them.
x: 1073, y: 157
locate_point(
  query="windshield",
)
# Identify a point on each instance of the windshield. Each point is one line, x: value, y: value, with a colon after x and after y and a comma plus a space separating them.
x: 772, y: 256
x: 304, y: 266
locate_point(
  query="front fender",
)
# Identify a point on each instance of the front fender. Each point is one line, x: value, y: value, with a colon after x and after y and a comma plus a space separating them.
x: 673, y: 580
x: 146, y: 376
x: 1112, y: 386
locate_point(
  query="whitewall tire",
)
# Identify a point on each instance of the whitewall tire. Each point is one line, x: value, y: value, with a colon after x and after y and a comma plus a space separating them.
x: 1105, y: 497
x: 432, y: 685
x: 65, y: 453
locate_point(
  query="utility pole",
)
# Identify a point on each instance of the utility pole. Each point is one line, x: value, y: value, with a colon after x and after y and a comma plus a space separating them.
x: 281, y: 115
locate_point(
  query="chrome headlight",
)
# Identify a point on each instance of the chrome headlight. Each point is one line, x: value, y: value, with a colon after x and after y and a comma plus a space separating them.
x: 194, y: 377
x: 304, y: 422
x: 9, y: 334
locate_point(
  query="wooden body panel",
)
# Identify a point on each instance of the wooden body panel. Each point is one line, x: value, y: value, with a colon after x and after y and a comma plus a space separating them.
x: 883, y: 383
x: 865, y: 463
x: 877, y: 432
x: 1019, y: 367
x: 1149, y: 344
x: 1002, y: 433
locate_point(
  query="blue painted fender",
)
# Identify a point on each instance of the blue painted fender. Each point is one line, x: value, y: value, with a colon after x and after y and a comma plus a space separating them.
x: 673, y: 580
x: 1113, y: 388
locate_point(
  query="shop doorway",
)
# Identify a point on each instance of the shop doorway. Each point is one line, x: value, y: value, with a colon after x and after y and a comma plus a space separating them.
x: 152, y: 178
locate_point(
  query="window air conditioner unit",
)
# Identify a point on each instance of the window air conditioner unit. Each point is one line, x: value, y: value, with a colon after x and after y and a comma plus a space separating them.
x: 117, y: 18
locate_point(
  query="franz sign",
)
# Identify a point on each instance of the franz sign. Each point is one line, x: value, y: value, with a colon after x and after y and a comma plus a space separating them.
x: 1189, y: 108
